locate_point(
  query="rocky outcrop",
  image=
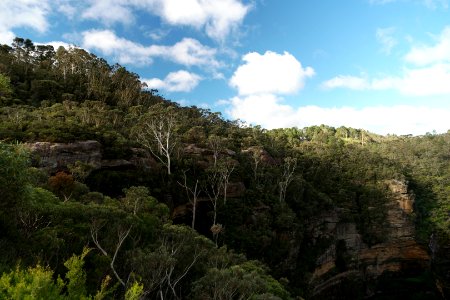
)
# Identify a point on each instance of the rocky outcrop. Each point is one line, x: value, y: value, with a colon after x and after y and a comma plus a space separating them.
x: 399, y: 253
x: 261, y: 155
x: 57, y: 156
x: 54, y: 157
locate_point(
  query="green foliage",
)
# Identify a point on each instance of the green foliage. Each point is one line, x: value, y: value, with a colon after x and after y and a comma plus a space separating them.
x: 33, y: 283
x: 245, y: 281
x: 5, y: 87
x: 76, y: 276
x: 39, y: 283
x: 134, y: 292
x: 14, y: 175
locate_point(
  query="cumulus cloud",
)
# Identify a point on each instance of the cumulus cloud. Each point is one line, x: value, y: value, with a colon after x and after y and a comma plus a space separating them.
x: 6, y: 36
x: 123, y: 50
x: 266, y: 110
x: 347, y: 81
x: 429, y: 81
x: 66, y: 7
x: 180, y: 81
x: 109, y: 12
x: 270, y: 113
x: 270, y: 73
x: 429, y: 74
x: 22, y: 13
x: 260, y: 82
x: 424, y: 54
x: 217, y: 18
x: 187, y: 52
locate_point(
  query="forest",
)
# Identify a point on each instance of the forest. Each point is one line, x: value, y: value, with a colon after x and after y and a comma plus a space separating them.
x: 147, y: 199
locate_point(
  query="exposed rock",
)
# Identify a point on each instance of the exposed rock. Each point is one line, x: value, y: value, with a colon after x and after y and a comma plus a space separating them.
x: 204, y: 157
x: 193, y: 149
x: 181, y: 211
x: 235, y: 189
x: 261, y: 154
x: 143, y: 159
x: 398, y: 253
x: 58, y: 156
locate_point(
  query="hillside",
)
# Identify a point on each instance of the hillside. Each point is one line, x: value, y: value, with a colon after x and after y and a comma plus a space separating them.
x: 121, y: 193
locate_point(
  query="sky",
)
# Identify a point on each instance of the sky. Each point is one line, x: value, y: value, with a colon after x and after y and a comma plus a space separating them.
x: 380, y: 65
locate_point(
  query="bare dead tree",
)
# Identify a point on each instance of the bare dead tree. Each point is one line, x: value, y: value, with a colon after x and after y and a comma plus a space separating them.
x: 226, y: 167
x: 214, y: 186
x: 216, y: 143
x: 256, y: 160
x: 157, y: 134
x: 192, y: 194
x: 122, y: 234
x: 289, y: 166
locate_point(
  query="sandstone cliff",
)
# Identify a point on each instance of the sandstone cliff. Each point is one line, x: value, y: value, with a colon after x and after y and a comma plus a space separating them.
x: 350, y: 261
x: 54, y: 157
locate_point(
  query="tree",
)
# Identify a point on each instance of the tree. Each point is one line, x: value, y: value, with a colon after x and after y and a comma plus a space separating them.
x: 217, y: 145
x: 192, y: 194
x: 226, y: 167
x: 65, y: 186
x: 156, y: 131
x: 242, y: 281
x: 122, y: 234
x: 289, y: 166
x: 14, y: 175
x: 5, y: 86
x: 213, y: 188
x: 163, y: 269
x: 38, y: 283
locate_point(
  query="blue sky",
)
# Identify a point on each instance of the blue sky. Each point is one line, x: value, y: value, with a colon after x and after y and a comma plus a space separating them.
x: 381, y: 65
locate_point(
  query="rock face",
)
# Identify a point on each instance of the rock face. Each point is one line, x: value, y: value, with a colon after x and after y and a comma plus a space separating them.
x: 399, y: 253
x: 57, y: 156
x: 261, y: 155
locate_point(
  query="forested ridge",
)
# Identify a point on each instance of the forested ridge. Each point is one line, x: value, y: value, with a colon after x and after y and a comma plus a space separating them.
x: 184, y: 204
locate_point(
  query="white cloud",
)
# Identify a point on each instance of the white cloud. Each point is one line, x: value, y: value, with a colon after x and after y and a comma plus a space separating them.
x: 22, y: 13
x: 262, y: 109
x: 259, y: 82
x: 109, y: 12
x: 57, y: 44
x: 270, y: 73
x: 386, y: 39
x: 217, y: 18
x: 123, y: 50
x: 430, y: 75
x: 269, y: 112
x: 6, y: 36
x: 67, y: 8
x: 346, y: 81
x: 180, y: 81
x: 424, y: 55
x: 401, y: 119
x: 429, y: 81
x: 187, y: 52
